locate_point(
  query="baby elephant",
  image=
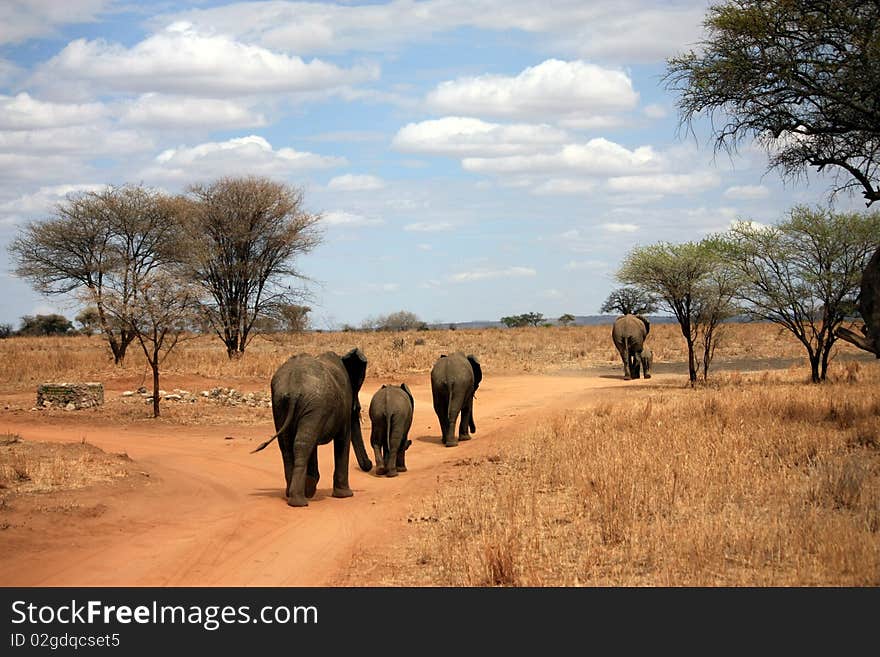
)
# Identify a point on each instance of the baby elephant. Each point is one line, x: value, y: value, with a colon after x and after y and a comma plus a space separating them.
x: 391, y: 414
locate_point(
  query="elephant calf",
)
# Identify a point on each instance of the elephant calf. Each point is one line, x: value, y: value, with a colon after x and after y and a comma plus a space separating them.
x: 391, y: 414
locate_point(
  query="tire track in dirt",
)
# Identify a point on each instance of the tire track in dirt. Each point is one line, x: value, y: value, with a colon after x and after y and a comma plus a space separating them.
x: 215, y: 515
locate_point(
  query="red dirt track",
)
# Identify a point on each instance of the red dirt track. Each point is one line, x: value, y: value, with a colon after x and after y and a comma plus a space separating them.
x: 210, y: 513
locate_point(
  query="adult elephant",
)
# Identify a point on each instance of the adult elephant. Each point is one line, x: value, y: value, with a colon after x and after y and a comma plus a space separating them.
x: 869, y: 309
x: 629, y: 333
x: 391, y: 415
x: 454, y: 381
x: 314, y: 401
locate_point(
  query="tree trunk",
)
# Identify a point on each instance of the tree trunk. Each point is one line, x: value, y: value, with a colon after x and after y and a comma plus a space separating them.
x: 155, y: 365
x: 692, y: 366
x: 814, y: 367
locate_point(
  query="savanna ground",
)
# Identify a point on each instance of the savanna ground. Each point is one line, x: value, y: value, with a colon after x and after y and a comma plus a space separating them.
x: 574, y: 477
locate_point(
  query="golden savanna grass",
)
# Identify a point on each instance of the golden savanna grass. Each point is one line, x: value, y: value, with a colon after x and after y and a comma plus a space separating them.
x: 40, y: 467
x: 532, y: 350
x: 757, y: 478
x: 755, y: 481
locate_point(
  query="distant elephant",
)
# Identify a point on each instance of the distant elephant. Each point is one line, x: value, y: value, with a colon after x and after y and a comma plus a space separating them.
x: 314, y: 401
x: 869, y: 309
x: 629, y: 333
x: 454, y: 380
x: 391, y: 415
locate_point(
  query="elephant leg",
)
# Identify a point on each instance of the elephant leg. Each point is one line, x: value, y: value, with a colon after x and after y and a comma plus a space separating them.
x: 451, y: 417
x: 377, y: 439
x: 467, y: 409
x: 312, y: 474
x: 441, y: 408
x: 623, y: 358
x: 401, y: 454
x: 341, y: 451
x: 286, y: 447
x: 302, y: 451
x: 394, y: 446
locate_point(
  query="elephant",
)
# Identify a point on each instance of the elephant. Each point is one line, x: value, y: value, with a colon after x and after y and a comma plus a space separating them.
x: 629, y: 333
x: 454, y: 382
x: 314, y: 401
x: 391, y: 415
x: 647, y: 360
x: 869, y: 309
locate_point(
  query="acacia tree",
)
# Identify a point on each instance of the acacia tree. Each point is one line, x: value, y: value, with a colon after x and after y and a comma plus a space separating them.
x: 243, y: 235
x: 799, y: 76
x: 804, y: 273
x: 629, y: 301
x: 97, y: 243
x: 686, y: 278
x: 158, y: 314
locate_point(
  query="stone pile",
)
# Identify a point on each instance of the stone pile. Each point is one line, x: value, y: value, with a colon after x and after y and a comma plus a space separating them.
x: 70, y: 396
x: 224, y: 396
x: 233, y: 397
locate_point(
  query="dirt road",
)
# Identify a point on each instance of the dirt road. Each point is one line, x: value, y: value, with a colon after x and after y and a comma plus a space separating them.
x: 213, y: 514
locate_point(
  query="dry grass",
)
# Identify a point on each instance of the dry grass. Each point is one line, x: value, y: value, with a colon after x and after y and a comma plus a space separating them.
x: 537, y: 350
x: 753, y: 482
x: 36, y: 467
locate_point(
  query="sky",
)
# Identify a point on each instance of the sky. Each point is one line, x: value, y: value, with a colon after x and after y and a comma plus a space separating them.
x: 469, y: 160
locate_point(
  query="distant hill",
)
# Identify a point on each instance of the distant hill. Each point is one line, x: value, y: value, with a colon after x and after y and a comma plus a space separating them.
x: 579, y: 320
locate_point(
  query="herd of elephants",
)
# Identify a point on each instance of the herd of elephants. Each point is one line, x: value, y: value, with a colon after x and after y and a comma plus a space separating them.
x: 315, y: 400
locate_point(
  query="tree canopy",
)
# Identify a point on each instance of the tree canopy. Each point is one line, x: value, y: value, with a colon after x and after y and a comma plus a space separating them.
x: 629, y: 301
x: 804, y: 273
x: 686, y: 278
x: 243, y: 237
x: 802, y: 77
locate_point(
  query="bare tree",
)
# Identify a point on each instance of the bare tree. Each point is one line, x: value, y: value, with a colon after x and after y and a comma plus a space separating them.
x: 158, y: 314
x: 242, y: 236
x: 98, y: 243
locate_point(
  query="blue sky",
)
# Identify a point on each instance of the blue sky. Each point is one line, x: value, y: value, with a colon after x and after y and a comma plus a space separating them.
x: 470, y: 160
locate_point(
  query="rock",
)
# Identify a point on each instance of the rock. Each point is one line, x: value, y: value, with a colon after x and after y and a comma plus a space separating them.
x: 79, y: 395
x: 173, y: 397
x: 70, y: 407
x: 142, y: 390
x: 128, y: 393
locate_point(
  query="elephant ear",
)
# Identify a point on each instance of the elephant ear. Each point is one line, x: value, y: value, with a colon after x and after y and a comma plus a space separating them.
x: 356, y: 365
x: 405, y: 388
x: 646, y: 323
x: 478, y: 370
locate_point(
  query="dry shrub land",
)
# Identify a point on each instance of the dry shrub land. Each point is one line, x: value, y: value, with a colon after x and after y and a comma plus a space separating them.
x: 757, y: 478
x: 756, y: 481
x: 529, y: 350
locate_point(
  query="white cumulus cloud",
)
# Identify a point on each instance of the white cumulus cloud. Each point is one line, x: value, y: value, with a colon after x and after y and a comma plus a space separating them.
x: 355, y: 183
x: 428, y: 227
x: 746, y: 192
x: 484, y: 274
x: 553, y: 89
x: 462, y: 136
x: 242, y: 155
x: 183, y: 60
x: 665, y: 183
x: 615, y: 227
x: 162, y: 111
x: 349, y: 219
x: 23, y: 112
x: 596, y: 157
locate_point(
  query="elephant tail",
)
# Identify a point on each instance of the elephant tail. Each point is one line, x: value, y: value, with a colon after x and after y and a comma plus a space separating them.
x: 291, y: 411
